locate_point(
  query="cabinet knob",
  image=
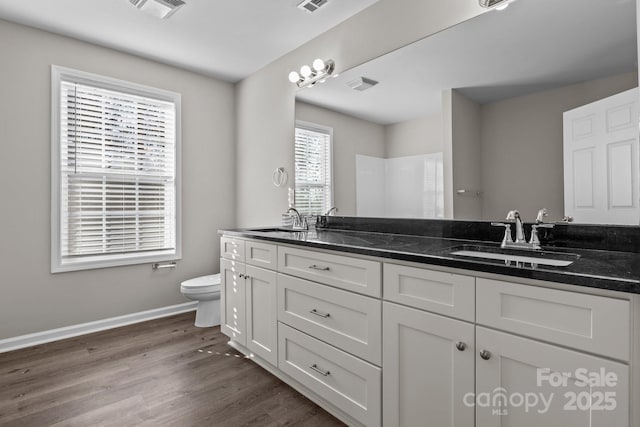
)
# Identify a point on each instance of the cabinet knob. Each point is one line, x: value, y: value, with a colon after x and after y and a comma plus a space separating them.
x: 461, y: 346
x: 485, y: 354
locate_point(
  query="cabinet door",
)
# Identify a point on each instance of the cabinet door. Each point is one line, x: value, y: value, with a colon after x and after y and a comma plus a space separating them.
x: 232, y: 300
x: 526, y: 383
x: 262, y: 326
x: 425, y: 375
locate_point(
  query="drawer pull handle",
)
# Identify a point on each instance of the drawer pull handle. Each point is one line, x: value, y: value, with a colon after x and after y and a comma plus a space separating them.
x: 318, y: 313
x: 486, y: 355
x: 461, y: 346
x: 315, y: 267
x: 320, y: 371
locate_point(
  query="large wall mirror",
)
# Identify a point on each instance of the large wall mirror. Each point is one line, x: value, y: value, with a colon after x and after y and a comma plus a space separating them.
x: 529, y: 107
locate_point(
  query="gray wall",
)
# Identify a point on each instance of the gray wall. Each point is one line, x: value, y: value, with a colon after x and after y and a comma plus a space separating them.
x: 414, y: 137
x: 522, y: 147
x: 33, y: 299
x: 351, y: 136
x: 466, y: 150
x: 265, y: 100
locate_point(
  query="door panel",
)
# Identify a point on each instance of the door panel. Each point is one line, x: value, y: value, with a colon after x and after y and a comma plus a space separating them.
x: 601, y: 161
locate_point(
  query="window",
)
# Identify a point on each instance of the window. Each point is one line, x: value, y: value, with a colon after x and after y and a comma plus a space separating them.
x: 313, y: 180
x: 115, y: 172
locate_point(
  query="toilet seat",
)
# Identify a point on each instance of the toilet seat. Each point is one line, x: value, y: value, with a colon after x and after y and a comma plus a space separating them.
x: 201, y: 285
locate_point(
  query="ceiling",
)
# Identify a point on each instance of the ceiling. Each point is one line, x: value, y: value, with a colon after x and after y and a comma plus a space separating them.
x: 532, y: 45
x: 227, y: 39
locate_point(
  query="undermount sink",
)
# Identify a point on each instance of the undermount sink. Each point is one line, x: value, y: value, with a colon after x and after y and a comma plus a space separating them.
x: 554, y: 259
x: 275, y: 230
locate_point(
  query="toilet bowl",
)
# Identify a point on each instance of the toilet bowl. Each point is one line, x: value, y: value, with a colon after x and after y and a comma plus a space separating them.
x: 205, y: 290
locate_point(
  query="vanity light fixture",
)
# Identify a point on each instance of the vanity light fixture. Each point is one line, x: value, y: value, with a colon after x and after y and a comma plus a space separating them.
x: 309, y: 76
x: 159, y: 8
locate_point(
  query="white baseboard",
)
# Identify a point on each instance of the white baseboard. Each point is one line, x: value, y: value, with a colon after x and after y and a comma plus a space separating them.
x: 29, y: 340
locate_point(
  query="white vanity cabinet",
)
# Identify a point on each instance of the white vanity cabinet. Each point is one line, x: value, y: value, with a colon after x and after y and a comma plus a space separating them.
x: 248, y: 296
x: 330, y: 328
x: 391, y: 343
x: 461, y: 345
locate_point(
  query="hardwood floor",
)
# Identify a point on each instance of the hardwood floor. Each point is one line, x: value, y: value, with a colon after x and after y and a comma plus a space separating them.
x: 164, y: 372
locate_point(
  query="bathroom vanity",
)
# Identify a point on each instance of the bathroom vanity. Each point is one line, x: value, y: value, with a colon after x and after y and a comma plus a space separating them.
x: 390, y: 328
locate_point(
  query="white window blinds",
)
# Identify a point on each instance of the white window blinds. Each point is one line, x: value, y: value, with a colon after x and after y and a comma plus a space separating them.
x: 117, y: 174
x: 313, y: 175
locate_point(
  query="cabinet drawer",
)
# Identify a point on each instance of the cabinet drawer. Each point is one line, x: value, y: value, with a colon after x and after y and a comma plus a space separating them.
x: 261, y: 254
x: 349, y: 321
x: 592, y: 323
x: 443, y: 293
x: 232, y: 248
x: 347, y: 382
x: 352, y: 274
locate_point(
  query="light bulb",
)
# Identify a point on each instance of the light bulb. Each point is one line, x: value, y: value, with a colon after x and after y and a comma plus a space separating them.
x: 305, y: 71
x: 318, y: 64
x: 294, y: 77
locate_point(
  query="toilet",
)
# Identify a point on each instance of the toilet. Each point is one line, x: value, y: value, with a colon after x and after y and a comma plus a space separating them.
x: 205, y: 290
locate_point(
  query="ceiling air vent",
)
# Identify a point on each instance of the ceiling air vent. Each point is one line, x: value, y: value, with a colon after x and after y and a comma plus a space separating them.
x: 312, y: 5
x: 490, y: 3
x: 159, y: 8
x: 362, y: 83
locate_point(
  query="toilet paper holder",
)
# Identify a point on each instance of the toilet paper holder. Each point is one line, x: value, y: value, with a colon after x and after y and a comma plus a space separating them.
x: 157, y: 265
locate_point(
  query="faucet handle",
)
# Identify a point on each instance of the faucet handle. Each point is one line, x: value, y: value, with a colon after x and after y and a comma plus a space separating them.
x: 541, y: 214
x: 507, y: 232
x: 535, y: 239
x: 543, y: 225
x: 513, y: 215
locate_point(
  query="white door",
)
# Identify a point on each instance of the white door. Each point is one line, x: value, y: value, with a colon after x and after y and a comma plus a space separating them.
x: 526, y: 383
x: 428, y: 364
x: 262, y: 323
x: 601, y: 180
x: 232, y: 300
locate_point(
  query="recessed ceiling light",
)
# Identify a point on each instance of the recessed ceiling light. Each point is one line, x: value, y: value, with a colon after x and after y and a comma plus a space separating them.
x: 159, y: 8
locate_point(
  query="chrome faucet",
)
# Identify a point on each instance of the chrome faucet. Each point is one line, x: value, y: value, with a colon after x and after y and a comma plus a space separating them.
x: 332, y: 210
x: 299, y: 221
x: 521, y: 241
x: 515, y: 216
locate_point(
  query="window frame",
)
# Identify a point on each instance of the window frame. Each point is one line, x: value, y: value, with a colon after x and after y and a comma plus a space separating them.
x: 58, y: 264
x: 315, y: 127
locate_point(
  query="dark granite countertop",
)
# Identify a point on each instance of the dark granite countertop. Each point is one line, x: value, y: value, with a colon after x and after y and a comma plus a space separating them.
x: 613, y: 270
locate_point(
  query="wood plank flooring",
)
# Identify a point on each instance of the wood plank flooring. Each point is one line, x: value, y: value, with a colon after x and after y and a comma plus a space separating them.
x: 164, y: 372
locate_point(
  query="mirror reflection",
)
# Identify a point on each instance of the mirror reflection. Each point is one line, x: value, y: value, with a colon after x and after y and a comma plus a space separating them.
x: 531, y: 107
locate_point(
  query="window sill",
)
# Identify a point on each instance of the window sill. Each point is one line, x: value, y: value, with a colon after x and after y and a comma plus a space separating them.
x: 106, y: 261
